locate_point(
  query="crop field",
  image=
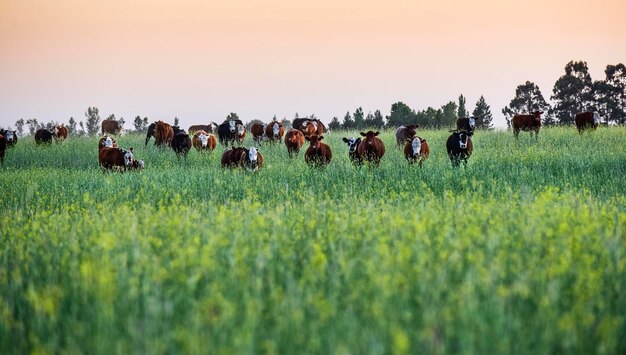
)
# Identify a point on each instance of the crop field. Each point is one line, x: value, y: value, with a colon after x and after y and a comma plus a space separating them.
x: 522, y: 252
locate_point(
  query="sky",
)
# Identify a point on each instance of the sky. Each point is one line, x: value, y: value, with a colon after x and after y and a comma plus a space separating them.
x: 200, y: 60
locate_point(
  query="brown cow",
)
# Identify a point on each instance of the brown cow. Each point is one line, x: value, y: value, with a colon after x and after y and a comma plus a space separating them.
x: 163, y: 134
x: 250, y: 159
x: 294, y: 140
x: 3, y: 148
x: 60, y: 133
x: 405, y: 132
x: 119, y: 159
x: 240, y: 133
x: 319, y: 153
x: 416, y: 150
x: 203, y: 141
x: 111, y: 127
x: 201, y: 127
x: 587, y: 120
x: 371, y: 148
x: 106, y: 142
x: 258, y: 132
x: 274, y: 131
x: 527, y: 123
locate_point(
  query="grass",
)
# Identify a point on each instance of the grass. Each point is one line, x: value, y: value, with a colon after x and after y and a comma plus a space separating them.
x: 522, y: 252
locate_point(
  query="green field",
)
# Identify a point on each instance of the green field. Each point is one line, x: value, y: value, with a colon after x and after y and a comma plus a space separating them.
x: 522, y: 252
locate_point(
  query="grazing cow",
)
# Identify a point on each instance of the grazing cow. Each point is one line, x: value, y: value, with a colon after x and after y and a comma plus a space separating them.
x: 206, y: 128
x: 10, y: 136
x: 119, y: 159
x: 163, y: 133
x: 416, y: 150
x: 258, y: 132
x: 527, y: 123
x: 106, y: 142
x: 294, y: 140
x: 467, y: 124
x: 274, y: 131
x: 250, y: 159
x: 43, y: 136
x: 319, y: 153
x: 111, y: 127
x: 405, y: 132
x: 181, y: 143
x: 203, y: 141
x: 353, y: 153
x: 231, y: 130
x: 3, y: 148
x: 459, y: 146
x: 587, y: 120
x: 371, y: 148
x: 60, y: 133
x: 150, y: 132
x: 309, y: 127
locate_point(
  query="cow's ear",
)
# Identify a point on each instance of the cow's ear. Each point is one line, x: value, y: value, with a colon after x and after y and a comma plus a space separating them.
x: 320, y: 138
x: 363, y: 134
x: 377, y: 133
x: 307, y: 138
x: 131, y: 149
x: 345, y: 139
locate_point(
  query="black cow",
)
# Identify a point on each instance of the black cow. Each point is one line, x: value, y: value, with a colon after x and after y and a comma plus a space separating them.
x: 459, y: 146
x: 43, y: 136
x: 10, y: 136
x: 227, y: 131
x: 353, y: 153
x: 150, y: 132
x: 181, y: 143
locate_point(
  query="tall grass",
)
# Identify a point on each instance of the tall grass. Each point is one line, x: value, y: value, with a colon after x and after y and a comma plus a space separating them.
x: 522, y: 252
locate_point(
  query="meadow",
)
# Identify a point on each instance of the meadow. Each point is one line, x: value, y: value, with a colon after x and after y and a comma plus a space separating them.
x: 522, y: 252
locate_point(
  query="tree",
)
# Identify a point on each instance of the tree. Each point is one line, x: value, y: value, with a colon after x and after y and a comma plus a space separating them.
x: 72, y: 126
x: 140, y: 124
x: 379, y: 121
x: 286, y: 124
x: 462, y: 112
x: 400, y: 115
x: 82, y: 128
x: 334, y: 124
x: 347, y: 123
x: 482, y: 114
x: 448, y: 116
x: 359, y: 119
x: 610, y: 94
x: 233, y: 116
x: 19, y: 126
x: 528, y: 98
x: 572, y: 93
x: 93, y: 120
x: 175, y: 121
x: 33, y: 125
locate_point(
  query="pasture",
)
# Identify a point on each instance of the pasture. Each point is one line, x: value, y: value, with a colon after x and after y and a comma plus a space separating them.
x: 522, y: 252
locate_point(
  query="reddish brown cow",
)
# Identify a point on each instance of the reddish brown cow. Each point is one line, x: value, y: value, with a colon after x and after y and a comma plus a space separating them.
x: 587, y: 120
x: 275, y: 131
x: 319, y: 153
x: 294, y: 140
x: 60, y: 133
x: 258, y: 132
x: 201, y: 127
x: 416, y: 150
x: 405, y: 132
x: 309, y: 128
x: 527, y: 123
x: 371, y: 148
x: 204, y: 142
x: 119, y: 159
x: 106, y: 142
x: 3, y: 148
x: 250, y: 159
x: 111, y: 127
x: 163, y: 133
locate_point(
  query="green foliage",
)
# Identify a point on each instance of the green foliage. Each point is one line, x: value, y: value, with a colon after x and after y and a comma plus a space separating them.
x: 610, y: 94
x: 348, y: 122
x: 528, y: 98
x: 522, y: 252
x: 462, y: 111
x: 92, y: 125
x: 572, y: 93
x: 334, y: 124
x: 401, y: 114
x: 482, y: 114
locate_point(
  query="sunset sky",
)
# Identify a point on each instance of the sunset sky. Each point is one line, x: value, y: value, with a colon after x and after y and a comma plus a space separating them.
x: 200, y: 60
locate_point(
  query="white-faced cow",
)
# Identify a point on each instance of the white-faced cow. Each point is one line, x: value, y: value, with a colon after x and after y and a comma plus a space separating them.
x: 353, y: 153
x: 239, y: 157
x: 460, y: 147
x: 118, y: 159
x: 416, y: 149
x: 10, y: 136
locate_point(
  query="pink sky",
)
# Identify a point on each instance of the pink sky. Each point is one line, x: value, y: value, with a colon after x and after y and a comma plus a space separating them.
x: 200, y: 60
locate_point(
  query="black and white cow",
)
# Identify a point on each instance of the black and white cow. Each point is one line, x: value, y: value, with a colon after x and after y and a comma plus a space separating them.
x: 353, y: 144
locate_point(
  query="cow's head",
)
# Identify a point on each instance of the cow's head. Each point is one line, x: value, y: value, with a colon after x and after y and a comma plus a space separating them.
x: 369, y: 137
x: 353, y: 143
x: 128, y: 157
x: 416, y: 145
x: 138, y: 164
x: 204, y: 139
x: 241, y: 129
x: 537, y: 115
x: 10, y: 135
x: 276, y: 128
x: 252, y: 159
x: 471, y: 122
x: 107, y: 142
x: 314, y: 141
x: 463, y: 139
x: 231, y: 126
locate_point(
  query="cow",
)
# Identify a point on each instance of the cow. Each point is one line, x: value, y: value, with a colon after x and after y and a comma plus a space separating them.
x: 118, y: 159
x: 43, y: 136
x: 150, y: 133
x: 60, y: 133
x: 163, y: 134
x: 527, y: 123
x: 106, y: 141
x: 206, y: 128
x: 274, y: 131
x: 180, y: 143
x: 203, y: 141
x: 112, y: 127
x: 318, y: 154
x: 250, y: 159
x: 416, y: 150
x: 460, y: 147
x: 587, y: 120
x: 258, y: 132
x: 10, y: 136
x: 405, y: 132
x: 309, y: 126
x: 353, y: 153
x: 3, y: 148
x: 294, y: 140
x: 467, y: 124
x: 371, y: 148
x: 231, y: 130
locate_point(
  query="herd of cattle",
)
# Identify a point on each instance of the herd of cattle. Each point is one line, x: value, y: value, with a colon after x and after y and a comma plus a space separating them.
x: 365, y: 149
